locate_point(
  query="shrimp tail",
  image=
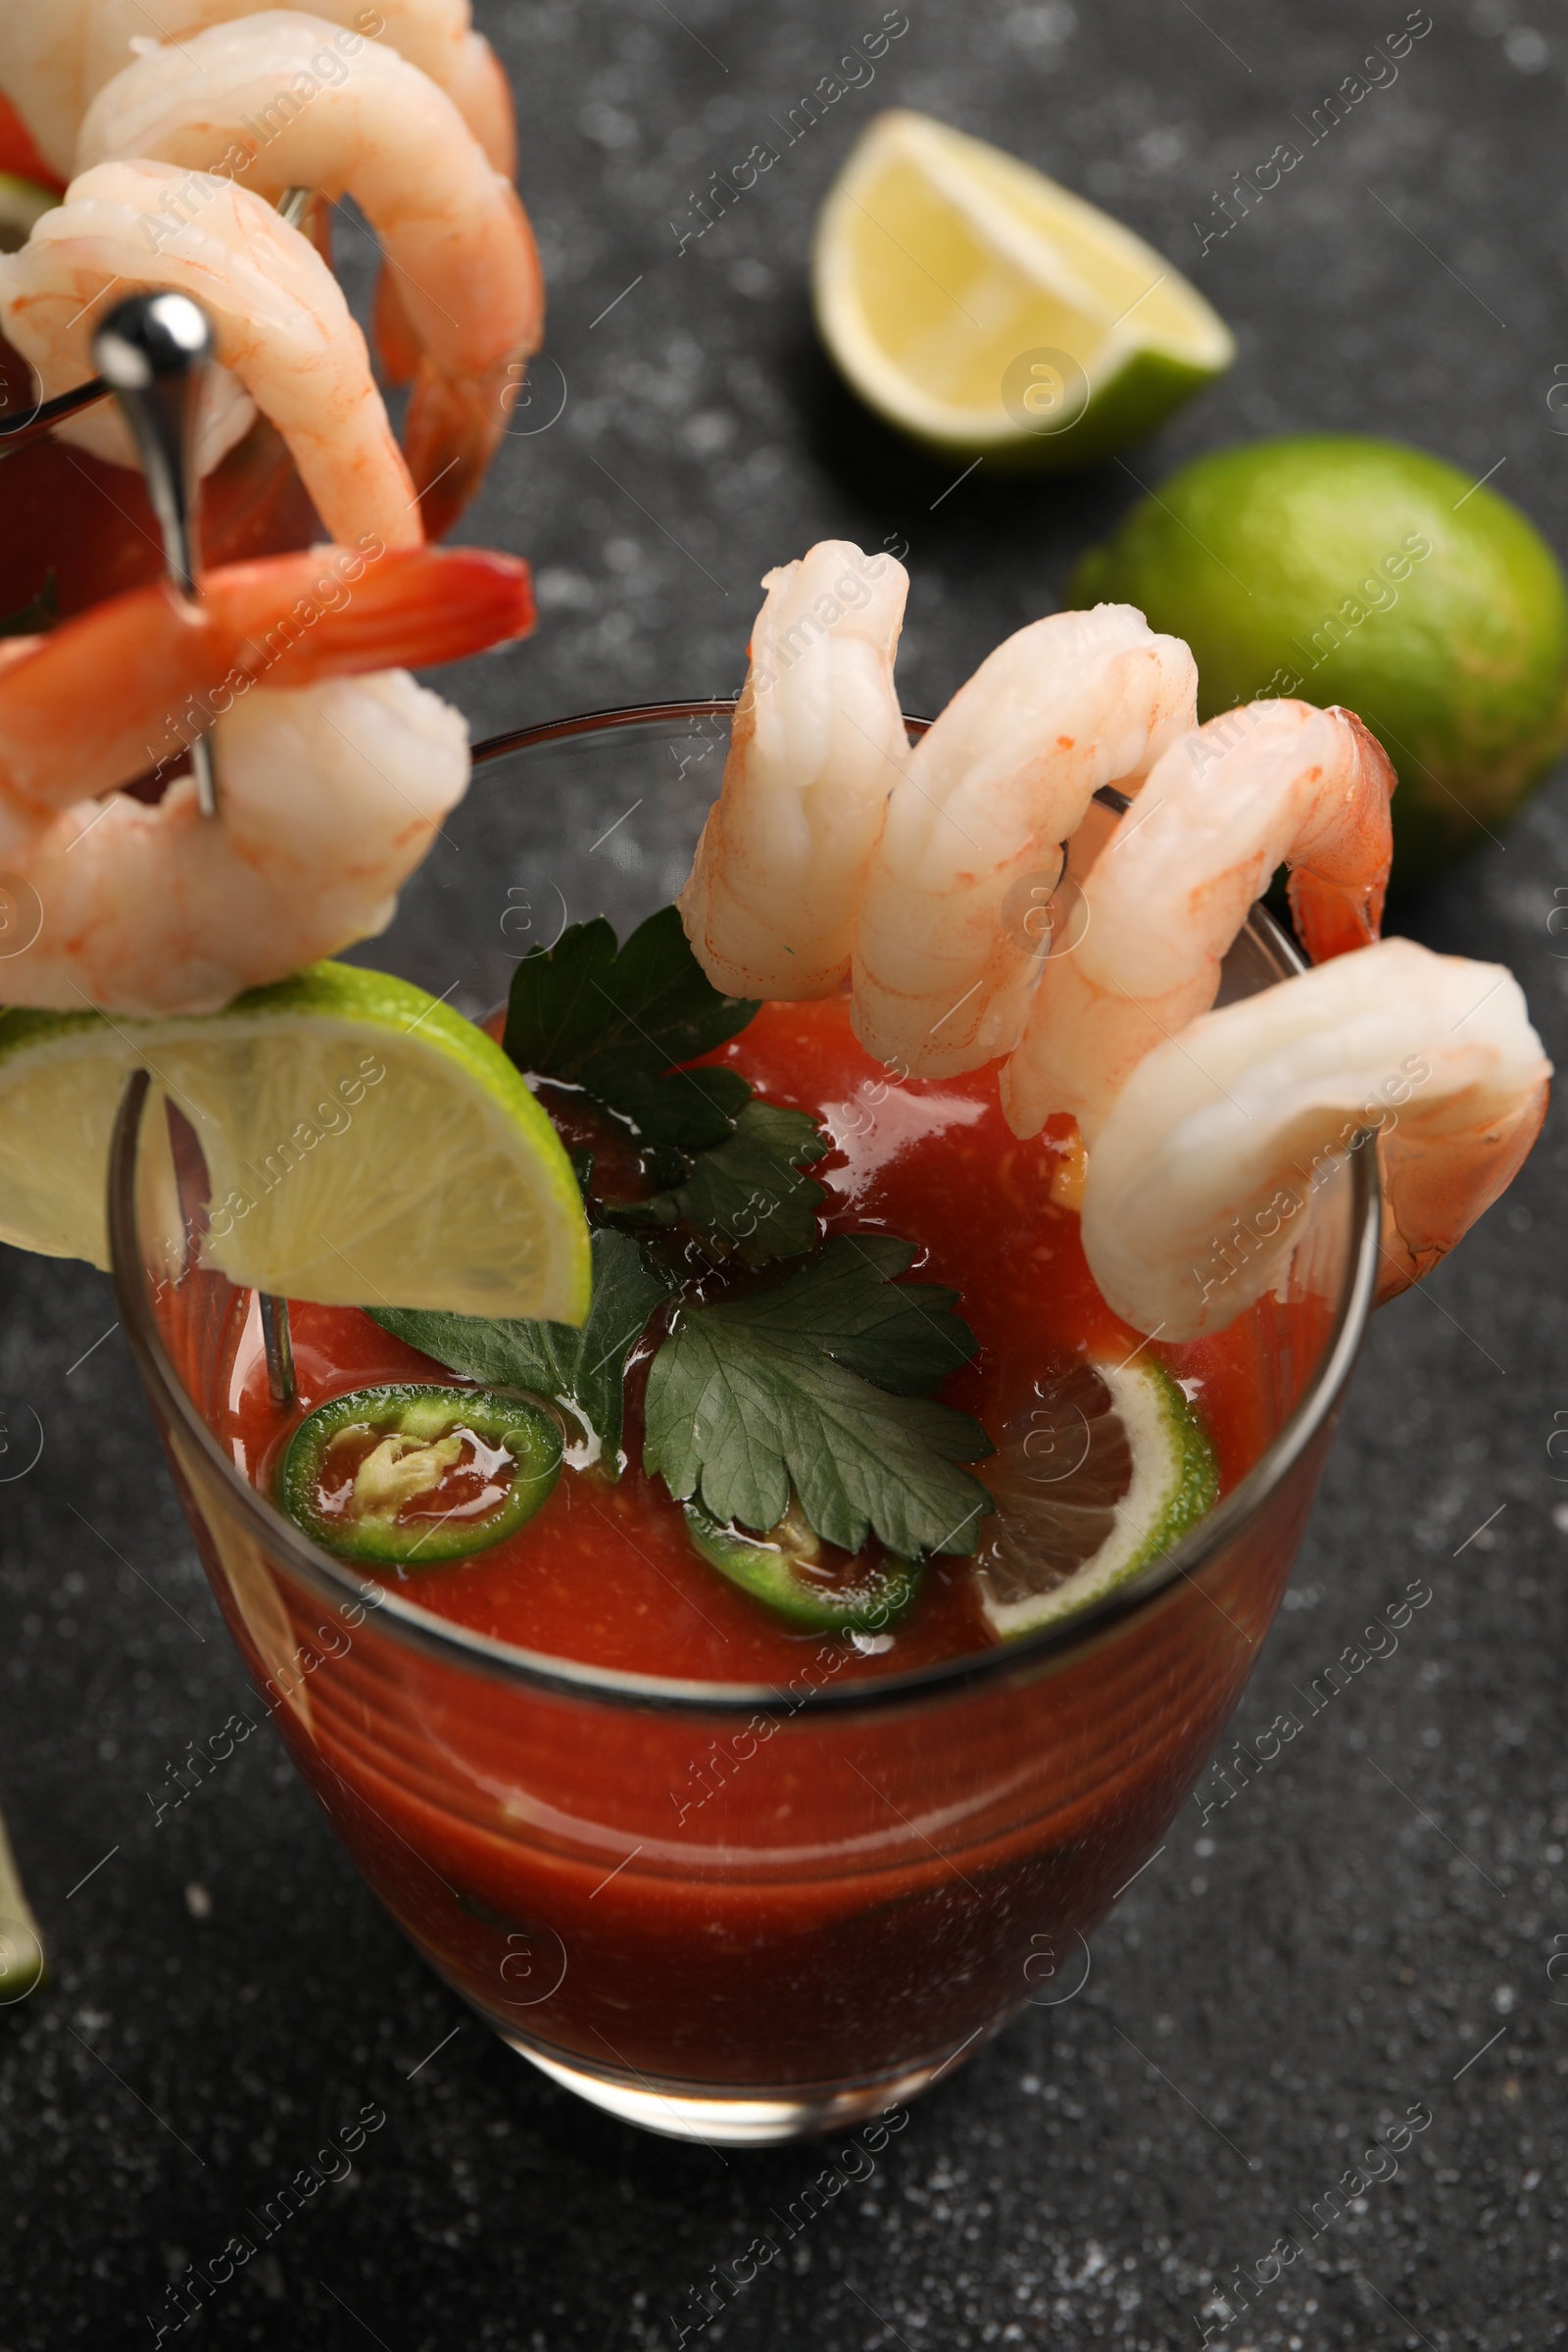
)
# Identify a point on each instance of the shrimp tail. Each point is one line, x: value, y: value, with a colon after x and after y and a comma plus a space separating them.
x: 1431, y: 1199
x: 414, y: 607
x: 1335, y: 914
x: 285, y: 621
x: 450, y: 434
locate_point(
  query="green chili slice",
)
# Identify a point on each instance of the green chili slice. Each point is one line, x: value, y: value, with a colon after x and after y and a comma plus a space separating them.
x: 419, y: 1475
x: 797, y: 1576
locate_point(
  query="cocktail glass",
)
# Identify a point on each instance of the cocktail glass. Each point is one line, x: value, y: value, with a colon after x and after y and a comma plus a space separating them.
x: 723, y: 1911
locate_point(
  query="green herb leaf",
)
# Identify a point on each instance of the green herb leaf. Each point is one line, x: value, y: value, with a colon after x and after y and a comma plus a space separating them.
x: 749, y: 1190
x: 580, y: 1369
x: 688, y: 1110
x: 36, y: 617
x: 901, y: 1335
x: 749, y: 1398
x: 619, y: 1021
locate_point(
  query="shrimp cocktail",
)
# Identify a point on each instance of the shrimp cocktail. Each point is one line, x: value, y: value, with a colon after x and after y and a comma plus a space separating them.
x: 751, y: 1473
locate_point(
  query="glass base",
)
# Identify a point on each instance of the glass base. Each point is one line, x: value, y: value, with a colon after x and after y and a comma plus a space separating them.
x: 750, y: 2117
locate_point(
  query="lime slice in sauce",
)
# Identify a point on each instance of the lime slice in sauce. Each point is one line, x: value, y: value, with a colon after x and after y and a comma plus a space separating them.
x: 416, y: 1476
x: 1095, y: 1480
x: 799, y: 1577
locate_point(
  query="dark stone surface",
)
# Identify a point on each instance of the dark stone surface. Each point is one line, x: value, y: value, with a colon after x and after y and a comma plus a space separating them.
x: 1348, y: 1935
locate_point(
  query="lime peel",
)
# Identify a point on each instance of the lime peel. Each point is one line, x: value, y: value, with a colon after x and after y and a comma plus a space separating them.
x: 1174, y: 1484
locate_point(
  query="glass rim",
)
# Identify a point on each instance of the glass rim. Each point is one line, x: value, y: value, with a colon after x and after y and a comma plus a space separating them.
x: 1044, y: 1650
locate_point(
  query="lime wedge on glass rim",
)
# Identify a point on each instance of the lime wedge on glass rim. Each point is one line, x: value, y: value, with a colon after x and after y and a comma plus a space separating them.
x: 364, y: 1146
x: 989, y: 312
x: 1096, y: 1480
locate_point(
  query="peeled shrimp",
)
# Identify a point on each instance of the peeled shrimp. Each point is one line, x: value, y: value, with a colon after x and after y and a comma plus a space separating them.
x: 1214, y: 1148
x: 817, y: 741
x: 945, y: 958
x: 56, y: 55
x: 284, y: 336
x: 247, y: 98
x: 42, y: 45
x: 330, y: 783
x: 1269, y: 784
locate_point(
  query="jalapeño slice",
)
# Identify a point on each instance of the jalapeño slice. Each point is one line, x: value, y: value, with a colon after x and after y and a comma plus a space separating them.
x: 812, y: 1583
x: 416, y: 1475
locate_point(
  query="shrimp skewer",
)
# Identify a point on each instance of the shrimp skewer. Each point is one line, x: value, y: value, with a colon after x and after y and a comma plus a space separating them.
x: 284, y: 337
x: 1218, y: 1139
x: 817, y: 741
x: 1269, y: 784
x: 333, y: 780
x: 469, y: 279
x: 943, y: 959
x: 121, y: 689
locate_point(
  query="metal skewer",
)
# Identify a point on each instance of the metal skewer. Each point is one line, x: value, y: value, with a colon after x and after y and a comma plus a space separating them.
x: 16, y: 433
x: 153, y: 351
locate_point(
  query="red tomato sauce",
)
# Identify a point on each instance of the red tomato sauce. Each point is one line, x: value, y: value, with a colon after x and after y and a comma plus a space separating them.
x: 606, y: 1572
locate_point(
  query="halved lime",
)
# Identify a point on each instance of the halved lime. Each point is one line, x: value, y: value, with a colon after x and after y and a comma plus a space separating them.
x: 23, y: 205
x: 365, y: 1146
x: 1103, y: 1473
x: 989, y: 313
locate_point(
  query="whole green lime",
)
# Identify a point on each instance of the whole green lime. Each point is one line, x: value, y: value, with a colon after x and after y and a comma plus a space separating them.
x: 1351, y: 570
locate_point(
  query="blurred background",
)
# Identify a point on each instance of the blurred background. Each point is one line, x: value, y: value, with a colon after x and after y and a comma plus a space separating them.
x: 1377, y: 1922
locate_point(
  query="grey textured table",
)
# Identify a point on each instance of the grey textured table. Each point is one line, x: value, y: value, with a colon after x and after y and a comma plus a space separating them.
x: 1369, y: 1925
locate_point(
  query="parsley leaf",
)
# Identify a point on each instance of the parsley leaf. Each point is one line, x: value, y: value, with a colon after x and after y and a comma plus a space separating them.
x: 582, y: 1370
x: 747, y: 1190
x: 789, y: 1387
x: 619, y: 1021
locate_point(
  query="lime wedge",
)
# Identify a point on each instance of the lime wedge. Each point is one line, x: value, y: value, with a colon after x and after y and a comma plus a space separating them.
x: 1100, y: 1476
x: 23, y: 205
x: 22, y: 1954
x: 989, y: 312
x: 365, y: 1146
x: 61, y: 1075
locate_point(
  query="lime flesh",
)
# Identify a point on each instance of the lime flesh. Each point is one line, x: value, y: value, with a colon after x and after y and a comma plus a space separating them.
x: 988, y: 311
x: 364, y: 1146
x: 1096, y: 1481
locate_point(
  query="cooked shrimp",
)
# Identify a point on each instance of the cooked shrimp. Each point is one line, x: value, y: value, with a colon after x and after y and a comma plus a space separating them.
x: 122, y: 688
x: 1220, y: 1137
x: 482, y: 95
x: 945, y: 958
x: 430, y: 34
x: 1270, y: 784
x: 284, y: 336
x: 330, y: 784
x: 42, y: 46
x: 818, y: 740
x: 246, y: 97
x: 56, y: 55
